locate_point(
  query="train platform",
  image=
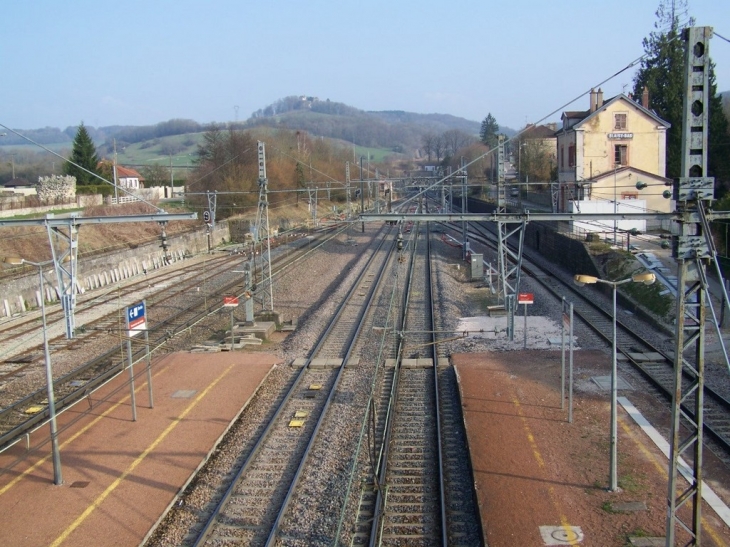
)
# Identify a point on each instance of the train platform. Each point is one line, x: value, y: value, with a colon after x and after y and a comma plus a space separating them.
x: 541, y: 480
x: 119, y: 475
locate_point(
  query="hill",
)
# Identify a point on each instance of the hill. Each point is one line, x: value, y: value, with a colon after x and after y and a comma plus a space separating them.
x: 378, y: 129
x: 394, y: 130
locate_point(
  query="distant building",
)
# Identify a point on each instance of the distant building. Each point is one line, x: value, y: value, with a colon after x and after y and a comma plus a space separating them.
x: 19, y: 186
x: 604, y: 151
x: 129, y: 178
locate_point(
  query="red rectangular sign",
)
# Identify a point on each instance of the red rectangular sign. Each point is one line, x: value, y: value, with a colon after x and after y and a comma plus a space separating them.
x: 230, y: 301
x: 525, y: 298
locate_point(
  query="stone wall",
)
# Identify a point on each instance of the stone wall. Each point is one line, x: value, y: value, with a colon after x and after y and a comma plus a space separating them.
x: 93, y: 273
x: 11, y: 206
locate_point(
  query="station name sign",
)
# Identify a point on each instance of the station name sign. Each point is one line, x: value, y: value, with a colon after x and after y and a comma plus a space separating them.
x: 136, y: 319
x: 620, y: 136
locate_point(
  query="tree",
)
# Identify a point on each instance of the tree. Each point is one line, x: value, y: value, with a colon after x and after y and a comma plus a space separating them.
x: 155, y: 175
x: 489, y: 133
x: 456, y: 139
x: 662, y: 73
x: 439, y: 147
x: 427, y: 141
x: 84, y: 157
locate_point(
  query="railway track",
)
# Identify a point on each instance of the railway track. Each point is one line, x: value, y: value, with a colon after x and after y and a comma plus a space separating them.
x: 653, y: 363
x: 172, y: 310
x: 421, y: 495
x: 260, y: 506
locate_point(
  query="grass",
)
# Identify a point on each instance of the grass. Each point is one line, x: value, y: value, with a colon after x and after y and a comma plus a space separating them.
x: 622, y: 264
x: 51, y: 212
x: 377, y: 155
x: 632, y: 483
x: 141, y: 153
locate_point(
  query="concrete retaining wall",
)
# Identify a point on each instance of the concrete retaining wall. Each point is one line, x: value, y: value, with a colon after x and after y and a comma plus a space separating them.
x: 23, y: 293
x: 550, y: 243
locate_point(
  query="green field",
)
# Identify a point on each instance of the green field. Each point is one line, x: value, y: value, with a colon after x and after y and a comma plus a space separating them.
x: 151, y: 152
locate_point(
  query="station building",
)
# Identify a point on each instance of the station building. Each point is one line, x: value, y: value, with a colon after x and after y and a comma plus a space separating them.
x: 604, y: 152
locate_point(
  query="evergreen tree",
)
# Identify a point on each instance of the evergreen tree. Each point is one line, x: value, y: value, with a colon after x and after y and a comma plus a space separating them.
x: 488, y: 134
x: 662, y: 73
x: 83, y: 155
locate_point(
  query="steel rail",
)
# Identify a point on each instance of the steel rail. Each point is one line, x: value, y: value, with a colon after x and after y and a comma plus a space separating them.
x: 625, y: 348
x: 350, y: 345
x: 209, y: 528
x: 165, y: 329
x: 378, y: 526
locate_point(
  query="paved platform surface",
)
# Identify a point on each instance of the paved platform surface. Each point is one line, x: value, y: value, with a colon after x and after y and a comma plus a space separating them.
x: 541, y: 480
x: 119, y: 475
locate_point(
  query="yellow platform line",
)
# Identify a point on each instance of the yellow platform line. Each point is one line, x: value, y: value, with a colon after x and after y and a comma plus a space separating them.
x: 564, y: 523
x: 73, y: 437
x: 661, y: 466
x: 100, y: 499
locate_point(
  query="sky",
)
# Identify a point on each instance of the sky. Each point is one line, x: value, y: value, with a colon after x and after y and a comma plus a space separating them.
x: 144, y: 62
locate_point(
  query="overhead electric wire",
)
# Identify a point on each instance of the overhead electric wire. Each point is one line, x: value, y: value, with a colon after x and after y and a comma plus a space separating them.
x: 516, y: 135
x: 720, y: 36
x: 122, y: 188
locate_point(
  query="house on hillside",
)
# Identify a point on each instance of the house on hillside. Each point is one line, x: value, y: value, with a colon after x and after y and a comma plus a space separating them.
x: 129, y: 178
x: 602, y: 154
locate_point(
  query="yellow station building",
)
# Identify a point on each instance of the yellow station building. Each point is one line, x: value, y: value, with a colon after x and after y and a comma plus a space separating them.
x: 604, y: 152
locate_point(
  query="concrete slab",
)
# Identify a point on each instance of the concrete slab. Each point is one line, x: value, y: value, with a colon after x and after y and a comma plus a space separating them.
x: 629, y: 506
x: 260, y: 329
x: 648, y: 541
x: 604, y: 382
x: 325, y: 363
x: 417, y: 363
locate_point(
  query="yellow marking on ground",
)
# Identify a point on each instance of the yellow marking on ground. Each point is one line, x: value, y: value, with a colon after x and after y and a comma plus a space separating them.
x: 100, y: 499
x: 72, y: 438
x: 661, y: 465
x: 541, y: 463
x: 530, y: 438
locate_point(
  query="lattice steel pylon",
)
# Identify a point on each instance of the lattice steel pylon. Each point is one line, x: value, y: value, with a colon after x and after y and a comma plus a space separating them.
x: 509, y: 262
x: 693, y: 191
x: 464, y: 209
x: 64, y: 248
x: 263, y: 234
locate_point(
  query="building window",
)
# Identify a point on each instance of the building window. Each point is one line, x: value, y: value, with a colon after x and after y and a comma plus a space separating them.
x: 620, y: 154
x: 562, y: 156
x: 571, y: 155
x: 629, y: 195
x: 620, y: 122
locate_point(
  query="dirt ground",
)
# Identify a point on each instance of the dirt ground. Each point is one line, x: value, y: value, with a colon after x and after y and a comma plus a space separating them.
x: 533, y: 469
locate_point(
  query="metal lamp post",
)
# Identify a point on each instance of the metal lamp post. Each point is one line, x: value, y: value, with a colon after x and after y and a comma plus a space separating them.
x: 57, y: 476
x: 647, y: 278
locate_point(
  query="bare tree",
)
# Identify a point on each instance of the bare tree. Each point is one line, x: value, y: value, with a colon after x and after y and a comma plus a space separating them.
x: 427, y: 141
x: 439, y: 147
x: 455, y: 139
